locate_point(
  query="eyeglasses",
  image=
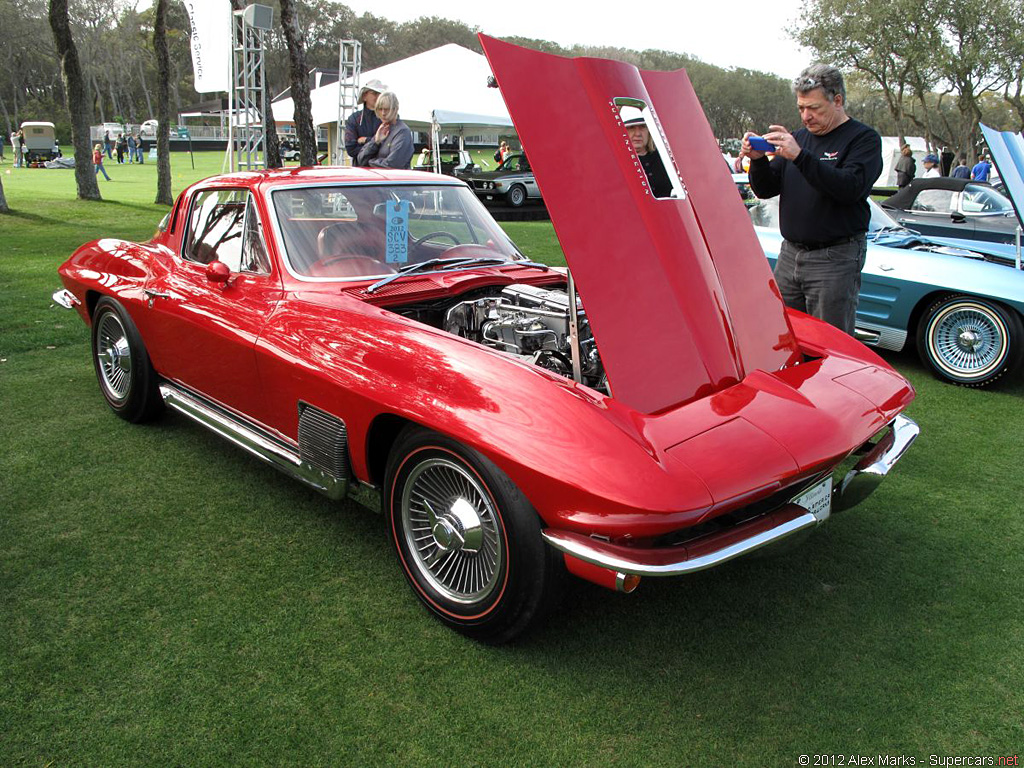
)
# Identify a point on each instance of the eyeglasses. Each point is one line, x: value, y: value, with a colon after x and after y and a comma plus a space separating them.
x: 806, y: 83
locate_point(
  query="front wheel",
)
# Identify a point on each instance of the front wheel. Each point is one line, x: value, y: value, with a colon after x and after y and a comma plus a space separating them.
x: 125, y: 374
x: 469, y: 542
x: 970, y: 341
x: 516, y: 196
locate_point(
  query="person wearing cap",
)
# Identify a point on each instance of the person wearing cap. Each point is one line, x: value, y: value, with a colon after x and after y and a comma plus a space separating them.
x: 931, y: 167
x: 391, y: 145
x: 823, y: 175
x: 643, y: 144
x: 362, y: 124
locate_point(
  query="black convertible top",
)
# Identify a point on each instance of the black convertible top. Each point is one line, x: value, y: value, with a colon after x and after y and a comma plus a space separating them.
x: 905, y: 196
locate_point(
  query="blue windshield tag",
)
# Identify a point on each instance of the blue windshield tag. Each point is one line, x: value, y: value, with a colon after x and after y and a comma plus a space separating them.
x: 397, y: 231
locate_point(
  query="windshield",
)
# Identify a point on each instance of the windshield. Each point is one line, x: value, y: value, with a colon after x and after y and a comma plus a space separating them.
x: 978, y: 199
x: 357, y: 232
x: 765, y: 213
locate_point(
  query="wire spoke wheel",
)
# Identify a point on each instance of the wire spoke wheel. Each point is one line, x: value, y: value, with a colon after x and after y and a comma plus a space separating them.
x: 967, y: 340
x: 113, y: 357
x: 451, y: 530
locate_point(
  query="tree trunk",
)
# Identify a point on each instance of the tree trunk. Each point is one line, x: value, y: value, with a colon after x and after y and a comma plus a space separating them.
x: 145, y: 87
x: 300, y: 84
x: 98, y: 99
x: 75, y: 93
x: 163, y: 106
x: 3, y: 199
x: 273, y: 152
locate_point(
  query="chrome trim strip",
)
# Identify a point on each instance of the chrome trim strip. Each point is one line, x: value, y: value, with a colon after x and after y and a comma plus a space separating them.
x: 253, y: 440
x: 578, y: 547
x: 66, y: 299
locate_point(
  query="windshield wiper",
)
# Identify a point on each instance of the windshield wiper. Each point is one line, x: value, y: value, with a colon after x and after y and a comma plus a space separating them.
x: 450, y: 263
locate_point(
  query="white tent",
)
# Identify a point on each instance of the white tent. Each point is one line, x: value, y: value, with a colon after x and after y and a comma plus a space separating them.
x: 441, y: 89
x: 891, y: 153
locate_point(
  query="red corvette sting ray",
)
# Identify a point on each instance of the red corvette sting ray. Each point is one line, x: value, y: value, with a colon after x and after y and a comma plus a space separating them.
x: 653, y: 411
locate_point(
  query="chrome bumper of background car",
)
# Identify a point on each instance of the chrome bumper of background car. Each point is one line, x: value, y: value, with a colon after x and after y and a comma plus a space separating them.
x: 853, y: 481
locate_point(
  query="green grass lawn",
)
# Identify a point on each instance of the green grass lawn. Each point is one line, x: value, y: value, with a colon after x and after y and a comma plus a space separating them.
x: 167, y: 600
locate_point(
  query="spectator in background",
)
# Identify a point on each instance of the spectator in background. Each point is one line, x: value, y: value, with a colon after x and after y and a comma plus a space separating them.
x: 391, y: 145
x: 824, y: 174
x: 931, y: 167
x: 107, y: 146
x: 650, y: 160
x: 961, y: 171
x: 97, y: 162
x: 140, y: 147
x: 362, y: 124
x: 131, y: 149
x: 906, y: 167
x: 15, y: 147
x: 120, y: 145
x: 982, y: 170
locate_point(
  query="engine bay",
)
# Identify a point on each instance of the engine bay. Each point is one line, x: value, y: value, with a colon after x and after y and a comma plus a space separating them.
x: 531, y: 322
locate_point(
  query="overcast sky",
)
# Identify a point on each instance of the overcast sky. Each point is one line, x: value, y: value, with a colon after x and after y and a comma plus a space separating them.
x: 727, y: 34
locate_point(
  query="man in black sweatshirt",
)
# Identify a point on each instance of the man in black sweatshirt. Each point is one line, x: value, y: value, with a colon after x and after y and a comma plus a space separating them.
x: 824, y: 174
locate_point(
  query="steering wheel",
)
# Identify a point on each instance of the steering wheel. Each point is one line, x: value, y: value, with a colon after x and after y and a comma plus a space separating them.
x: 431, y: 235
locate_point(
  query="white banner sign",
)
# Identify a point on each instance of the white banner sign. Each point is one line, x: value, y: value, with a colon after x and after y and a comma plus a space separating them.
x: 211, y: 43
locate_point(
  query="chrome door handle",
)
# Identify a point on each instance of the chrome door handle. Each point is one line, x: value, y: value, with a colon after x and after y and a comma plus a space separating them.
x: 155, y: 294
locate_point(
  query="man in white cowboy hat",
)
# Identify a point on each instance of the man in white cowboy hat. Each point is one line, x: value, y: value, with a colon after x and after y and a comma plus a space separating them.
x: 362, y: 124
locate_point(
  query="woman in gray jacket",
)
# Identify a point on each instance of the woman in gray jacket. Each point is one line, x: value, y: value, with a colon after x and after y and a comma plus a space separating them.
x: 391, y: 146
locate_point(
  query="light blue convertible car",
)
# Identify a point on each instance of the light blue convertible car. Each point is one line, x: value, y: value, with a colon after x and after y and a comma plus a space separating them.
x: 960, y: 302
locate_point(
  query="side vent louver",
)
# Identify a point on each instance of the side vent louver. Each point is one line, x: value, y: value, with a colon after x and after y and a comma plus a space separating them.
x: 323, y: 442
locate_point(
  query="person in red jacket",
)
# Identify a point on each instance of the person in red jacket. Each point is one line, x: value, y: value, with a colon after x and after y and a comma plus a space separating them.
x: 97, y: 161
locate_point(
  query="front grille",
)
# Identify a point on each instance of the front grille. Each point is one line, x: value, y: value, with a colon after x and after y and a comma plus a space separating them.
x: 323, y: 442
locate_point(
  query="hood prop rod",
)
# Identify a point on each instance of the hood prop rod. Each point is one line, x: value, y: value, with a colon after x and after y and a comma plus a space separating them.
x: 574, y: 322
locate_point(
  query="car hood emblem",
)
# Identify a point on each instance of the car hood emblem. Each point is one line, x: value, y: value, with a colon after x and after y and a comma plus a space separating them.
x: 678, y: 292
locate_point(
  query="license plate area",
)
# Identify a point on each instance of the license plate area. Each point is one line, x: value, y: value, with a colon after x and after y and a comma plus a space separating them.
x: 817, y: 499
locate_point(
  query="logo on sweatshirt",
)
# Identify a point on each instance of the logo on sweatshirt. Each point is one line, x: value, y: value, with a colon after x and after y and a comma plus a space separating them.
x: 833, y: 156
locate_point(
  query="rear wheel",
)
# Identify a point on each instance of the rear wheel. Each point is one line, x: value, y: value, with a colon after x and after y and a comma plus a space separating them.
x: 970, y: 341
x: 516, y: 196
x: 469, y: 542
x: 125, y: 374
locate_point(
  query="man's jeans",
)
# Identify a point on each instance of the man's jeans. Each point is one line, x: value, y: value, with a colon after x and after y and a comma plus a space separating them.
x: 823, y: 282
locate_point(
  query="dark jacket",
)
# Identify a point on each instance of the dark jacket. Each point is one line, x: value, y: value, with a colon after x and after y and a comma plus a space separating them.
x: 362, y: 123
x: 825, y: 189
x: 906, y: 169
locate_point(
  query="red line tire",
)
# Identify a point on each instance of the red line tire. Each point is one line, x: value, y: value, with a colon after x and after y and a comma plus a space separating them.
x: 468, y: 541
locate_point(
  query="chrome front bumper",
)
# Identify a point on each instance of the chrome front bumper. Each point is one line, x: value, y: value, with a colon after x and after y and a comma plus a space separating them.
x: 852, y: 482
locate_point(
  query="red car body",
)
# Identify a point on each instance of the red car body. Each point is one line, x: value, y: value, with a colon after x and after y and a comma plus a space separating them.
x: 720, y: 406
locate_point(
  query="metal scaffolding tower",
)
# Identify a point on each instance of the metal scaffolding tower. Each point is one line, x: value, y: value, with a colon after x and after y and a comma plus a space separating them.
x: 350, y: 65
x: 248, y: 91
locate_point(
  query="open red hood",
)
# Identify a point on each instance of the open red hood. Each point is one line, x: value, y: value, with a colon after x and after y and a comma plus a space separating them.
x: 678, y: 292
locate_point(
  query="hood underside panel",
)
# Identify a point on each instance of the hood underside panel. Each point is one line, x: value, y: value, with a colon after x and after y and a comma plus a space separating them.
x: 678, y: 292
x: 1008, y: 154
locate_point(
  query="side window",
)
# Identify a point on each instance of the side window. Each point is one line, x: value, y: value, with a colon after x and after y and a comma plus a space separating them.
x: 215, y: 227
x: 934, y: 201
x: 254, y: 251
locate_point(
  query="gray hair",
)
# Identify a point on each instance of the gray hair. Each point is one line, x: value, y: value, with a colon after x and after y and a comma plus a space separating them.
x: 387, y: 107
x: 829, y: 79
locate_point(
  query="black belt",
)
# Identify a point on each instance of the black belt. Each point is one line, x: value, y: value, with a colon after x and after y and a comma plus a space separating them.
x: 827, y: 244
